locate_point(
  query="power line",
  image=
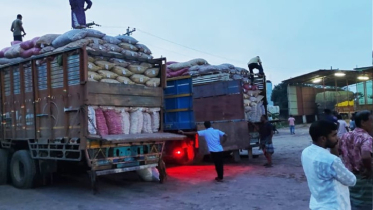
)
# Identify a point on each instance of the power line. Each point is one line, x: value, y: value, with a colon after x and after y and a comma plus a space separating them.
x: 187, y: 46
x: 170, y: 51
x: 150, y: 34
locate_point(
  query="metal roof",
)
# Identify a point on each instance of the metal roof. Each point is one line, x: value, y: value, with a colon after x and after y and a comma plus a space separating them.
x: 328, y: 78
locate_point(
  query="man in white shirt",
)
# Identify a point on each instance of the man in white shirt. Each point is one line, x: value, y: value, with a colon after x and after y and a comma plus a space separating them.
x: 255, y: 63
x: 328, y: 179
x: 343, y: 127
x: 212, y: 137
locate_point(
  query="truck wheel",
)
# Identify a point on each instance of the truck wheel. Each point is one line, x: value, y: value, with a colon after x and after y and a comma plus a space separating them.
x: 4, y: 163
x: 22, y: 170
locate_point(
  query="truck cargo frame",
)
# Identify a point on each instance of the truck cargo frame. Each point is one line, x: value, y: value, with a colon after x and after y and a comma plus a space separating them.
x: 44, y: 108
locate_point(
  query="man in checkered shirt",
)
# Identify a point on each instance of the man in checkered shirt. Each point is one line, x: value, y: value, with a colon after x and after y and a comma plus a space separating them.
x: 356, y: 153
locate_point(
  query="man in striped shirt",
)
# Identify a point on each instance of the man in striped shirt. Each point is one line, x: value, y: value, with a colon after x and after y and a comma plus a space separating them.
x: 212, y: 137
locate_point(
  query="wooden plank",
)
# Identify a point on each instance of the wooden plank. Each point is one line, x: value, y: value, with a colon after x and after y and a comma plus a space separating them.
x: 66, y: 93
x: 3, y: 110
x: 123, y: 89
x: 163, y: 75
x: 35, y: 89
x: 23, y: 98
x: 143, y: 137
x: 123, y: 100
x: 83, y: 118
x: 49, y: 88
x: 228, y: 107
x: 13, y: 112
x: 177, y: 78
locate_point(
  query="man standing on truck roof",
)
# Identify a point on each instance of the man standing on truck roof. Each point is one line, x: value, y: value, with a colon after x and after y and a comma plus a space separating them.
x: 17, y: 29
x: 255, y: 63
x: 78, y: 13
x: 266, y: 134
x: 212, y: 137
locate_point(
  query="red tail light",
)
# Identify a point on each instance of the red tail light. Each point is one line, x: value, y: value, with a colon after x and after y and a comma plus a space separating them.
x: 179, y: 152
x: 196, y: 143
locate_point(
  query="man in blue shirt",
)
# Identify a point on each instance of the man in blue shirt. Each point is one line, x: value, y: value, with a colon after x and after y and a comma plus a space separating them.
x: 212, y: 137
x: 78, y: 13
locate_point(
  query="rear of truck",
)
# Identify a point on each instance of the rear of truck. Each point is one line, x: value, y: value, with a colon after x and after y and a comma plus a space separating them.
x: 46, y: 109
x: 189, y: 102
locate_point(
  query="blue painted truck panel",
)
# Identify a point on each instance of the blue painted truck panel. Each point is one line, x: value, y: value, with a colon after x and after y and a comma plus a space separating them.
x: 178, y: 113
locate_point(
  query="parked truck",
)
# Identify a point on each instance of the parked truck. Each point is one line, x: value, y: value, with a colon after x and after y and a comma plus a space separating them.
x: 189, y: 102
x: 45, y: 119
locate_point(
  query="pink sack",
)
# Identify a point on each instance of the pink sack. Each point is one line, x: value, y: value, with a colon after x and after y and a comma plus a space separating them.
x: 101, y: 122
x: 2, y: 52
x: 114, y: 122
x: 178, y: 73
x: 170, y: 62
x: 27, y: 44
x: 15, y: 42
x: 30, y: 52
x: 250, y: 87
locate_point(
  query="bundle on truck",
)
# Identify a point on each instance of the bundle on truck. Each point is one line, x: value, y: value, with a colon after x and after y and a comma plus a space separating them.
x: 85, y: 97
x: 198, y: 92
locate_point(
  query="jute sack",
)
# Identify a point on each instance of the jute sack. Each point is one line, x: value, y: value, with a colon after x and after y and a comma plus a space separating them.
x: 107, y: 74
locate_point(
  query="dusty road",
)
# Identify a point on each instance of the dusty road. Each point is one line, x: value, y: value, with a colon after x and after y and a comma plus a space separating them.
x: 248, y: 186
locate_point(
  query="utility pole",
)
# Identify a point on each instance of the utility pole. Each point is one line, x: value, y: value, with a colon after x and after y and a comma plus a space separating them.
x: 129, y: 31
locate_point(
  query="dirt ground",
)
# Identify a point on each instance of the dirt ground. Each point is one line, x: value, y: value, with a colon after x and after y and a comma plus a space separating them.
x: 248, y: 186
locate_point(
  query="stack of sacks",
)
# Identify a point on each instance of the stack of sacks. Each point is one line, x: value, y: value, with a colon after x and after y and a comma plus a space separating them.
x: 19, y: 49
x: 93, y: 39
x: 175, y: 69
x: 114, y: 70
x: 123, y: 120
x: 253, y: 103
x: 200, y: 67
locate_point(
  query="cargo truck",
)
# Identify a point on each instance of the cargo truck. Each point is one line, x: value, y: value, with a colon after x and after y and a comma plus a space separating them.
x: 44, y: 108
x: 191, y: 101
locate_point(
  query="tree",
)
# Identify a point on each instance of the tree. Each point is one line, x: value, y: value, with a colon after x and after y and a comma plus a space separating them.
x: 280, y: 97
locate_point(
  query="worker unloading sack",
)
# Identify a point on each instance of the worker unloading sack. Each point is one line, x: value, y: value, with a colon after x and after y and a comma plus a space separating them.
x: 255, y: 63
x: 78, y: 19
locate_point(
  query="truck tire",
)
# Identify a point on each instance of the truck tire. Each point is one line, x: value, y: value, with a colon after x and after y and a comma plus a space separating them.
x: 4, y: 169
x: 22, y: 170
